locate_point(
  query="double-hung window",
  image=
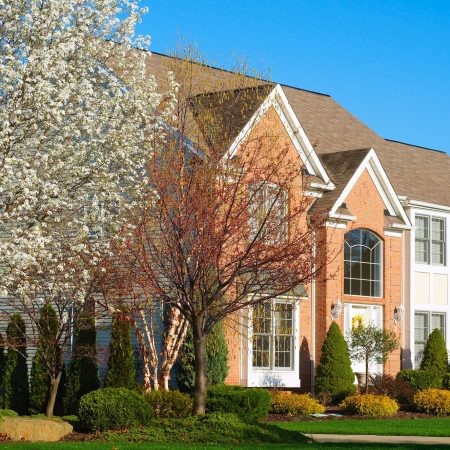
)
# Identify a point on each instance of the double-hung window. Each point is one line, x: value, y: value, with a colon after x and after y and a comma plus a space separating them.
x: 430, y: 240
x: 273, y: 335
x: 425, y: 322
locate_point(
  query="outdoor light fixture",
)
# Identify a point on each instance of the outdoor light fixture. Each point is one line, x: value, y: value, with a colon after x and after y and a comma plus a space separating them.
x: 336, y: 310
x: 398, y: 313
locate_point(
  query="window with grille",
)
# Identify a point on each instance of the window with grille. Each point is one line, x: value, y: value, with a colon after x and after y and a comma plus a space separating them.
x: 424, y: 324
x: 430, y: 240
x: 363, y: 263
x: 273, y: 335
x: 268, y: 212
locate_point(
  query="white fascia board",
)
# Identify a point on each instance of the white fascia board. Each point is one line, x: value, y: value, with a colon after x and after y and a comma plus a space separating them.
x: 278, y: 100
x: 332, y: 224
x: 427, y: 205
x: 372, y: 164
x: 391, y: 233
x: 342, y: 216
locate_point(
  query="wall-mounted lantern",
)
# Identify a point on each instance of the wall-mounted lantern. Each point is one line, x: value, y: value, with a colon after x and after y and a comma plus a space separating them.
x: 336, y: 310
x: 398, y: 313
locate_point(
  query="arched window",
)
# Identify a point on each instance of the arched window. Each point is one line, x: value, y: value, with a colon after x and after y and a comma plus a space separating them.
x: 363, y: 263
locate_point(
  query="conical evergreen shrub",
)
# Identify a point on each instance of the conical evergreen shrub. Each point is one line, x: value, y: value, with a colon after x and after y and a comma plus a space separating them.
x: 15, y: 380
x: 435, y: 356
x: 120, y: 370
x: 39, y: 377
x: 216, y: 356
x: 82, y: 374
x: 334, y: 373
x: 2, y: 361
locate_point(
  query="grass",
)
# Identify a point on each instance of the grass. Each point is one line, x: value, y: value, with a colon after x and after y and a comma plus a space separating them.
x: 154, y: 446
x: 384, y: 427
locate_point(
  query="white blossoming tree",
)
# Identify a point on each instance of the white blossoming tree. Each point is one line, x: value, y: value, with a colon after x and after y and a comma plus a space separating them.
x: 74, y: 145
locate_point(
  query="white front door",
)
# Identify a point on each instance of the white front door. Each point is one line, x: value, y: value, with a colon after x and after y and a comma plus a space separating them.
x: 368, y: 314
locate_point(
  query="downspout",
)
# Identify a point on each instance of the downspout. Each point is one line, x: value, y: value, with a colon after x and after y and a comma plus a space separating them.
x: 313, y: 316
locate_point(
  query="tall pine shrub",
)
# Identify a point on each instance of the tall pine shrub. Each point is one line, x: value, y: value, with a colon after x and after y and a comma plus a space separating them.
x: 334, y: 373
x: 120, y: 370
x: 82, y: 374
x: 15, y: 380
x: 435, y: 356
x: 2, y: 368
x: 216, y: 356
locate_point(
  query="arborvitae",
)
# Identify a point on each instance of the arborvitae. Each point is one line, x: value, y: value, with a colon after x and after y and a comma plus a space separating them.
x: 39, y: 376
x: 15, y: 381
x: 334, y: 373
x: 435, y: 356
x: 82, y: 376
x: 216, y: 355
x: 121, y: 370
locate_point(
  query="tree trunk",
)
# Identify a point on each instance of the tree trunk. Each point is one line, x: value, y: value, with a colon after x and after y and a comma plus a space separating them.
x: 54, y: 384
x: 200, y: 369
x: 367, y: 375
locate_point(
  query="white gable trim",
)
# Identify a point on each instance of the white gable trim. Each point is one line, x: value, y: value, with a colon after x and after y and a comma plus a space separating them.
x: 278, y: 100
x: 372, y: 164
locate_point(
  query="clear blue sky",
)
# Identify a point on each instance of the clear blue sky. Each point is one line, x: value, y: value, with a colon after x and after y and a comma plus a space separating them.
x: 386, y: 61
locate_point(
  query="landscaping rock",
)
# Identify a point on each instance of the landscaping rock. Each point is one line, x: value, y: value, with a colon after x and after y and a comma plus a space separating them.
x: 30, y: 429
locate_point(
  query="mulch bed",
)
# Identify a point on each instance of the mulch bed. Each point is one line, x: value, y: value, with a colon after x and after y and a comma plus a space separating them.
x: 335, y: 410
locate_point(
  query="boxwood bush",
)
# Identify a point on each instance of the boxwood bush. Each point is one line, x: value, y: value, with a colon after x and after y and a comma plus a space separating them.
x: 113, y: 409
x: 369, y: 405
x: 433, y: 401
x: 8, y: 413
x: 251, y: 404
x: 296, y: 405
x: 421, y: 379
x: 169, y: 404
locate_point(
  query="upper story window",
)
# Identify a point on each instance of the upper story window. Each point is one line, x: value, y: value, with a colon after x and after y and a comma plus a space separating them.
x: 363, y: 263
x: 430, y: 240
x: 268, y: 212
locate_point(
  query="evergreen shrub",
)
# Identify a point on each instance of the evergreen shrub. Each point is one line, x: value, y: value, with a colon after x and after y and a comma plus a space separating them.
x: 296, y: 405
x: 15, y: 378
x: 82, y: 374
x: 216, y: 359
x: 370, y: 405
x: 435, y: 355
x: 120, y: 370
x: 169, y: 404
x: 113, y: 409
x: 334, y: 372
x: 250, y: 404
x: 433, y: 401
x: 421, y: 379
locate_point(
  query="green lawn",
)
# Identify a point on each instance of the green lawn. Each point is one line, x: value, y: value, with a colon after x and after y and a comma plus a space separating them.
x: 153, y: 446
x: 385, y: 427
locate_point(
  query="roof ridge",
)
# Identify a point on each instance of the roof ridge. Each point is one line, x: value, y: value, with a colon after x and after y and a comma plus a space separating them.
x: 232, y: 72
x: 417, y: 146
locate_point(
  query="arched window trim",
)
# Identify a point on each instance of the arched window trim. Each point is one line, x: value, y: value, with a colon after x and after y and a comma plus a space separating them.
x: 363, y: 278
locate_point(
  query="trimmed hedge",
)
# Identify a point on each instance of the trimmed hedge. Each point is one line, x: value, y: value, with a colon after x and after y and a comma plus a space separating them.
x: 421, y: 379
x: 296, y: 405
x: 433, y: 401
x: 250, y: 404
x: 169, y: 404
x: 113, y: 409
x: 369, y: 405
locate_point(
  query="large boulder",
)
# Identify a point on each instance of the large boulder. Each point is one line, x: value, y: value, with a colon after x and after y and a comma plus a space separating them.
x: 32, y: 429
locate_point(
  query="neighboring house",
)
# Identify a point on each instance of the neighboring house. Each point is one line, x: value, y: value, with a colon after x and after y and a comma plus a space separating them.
x: 388, y: 218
